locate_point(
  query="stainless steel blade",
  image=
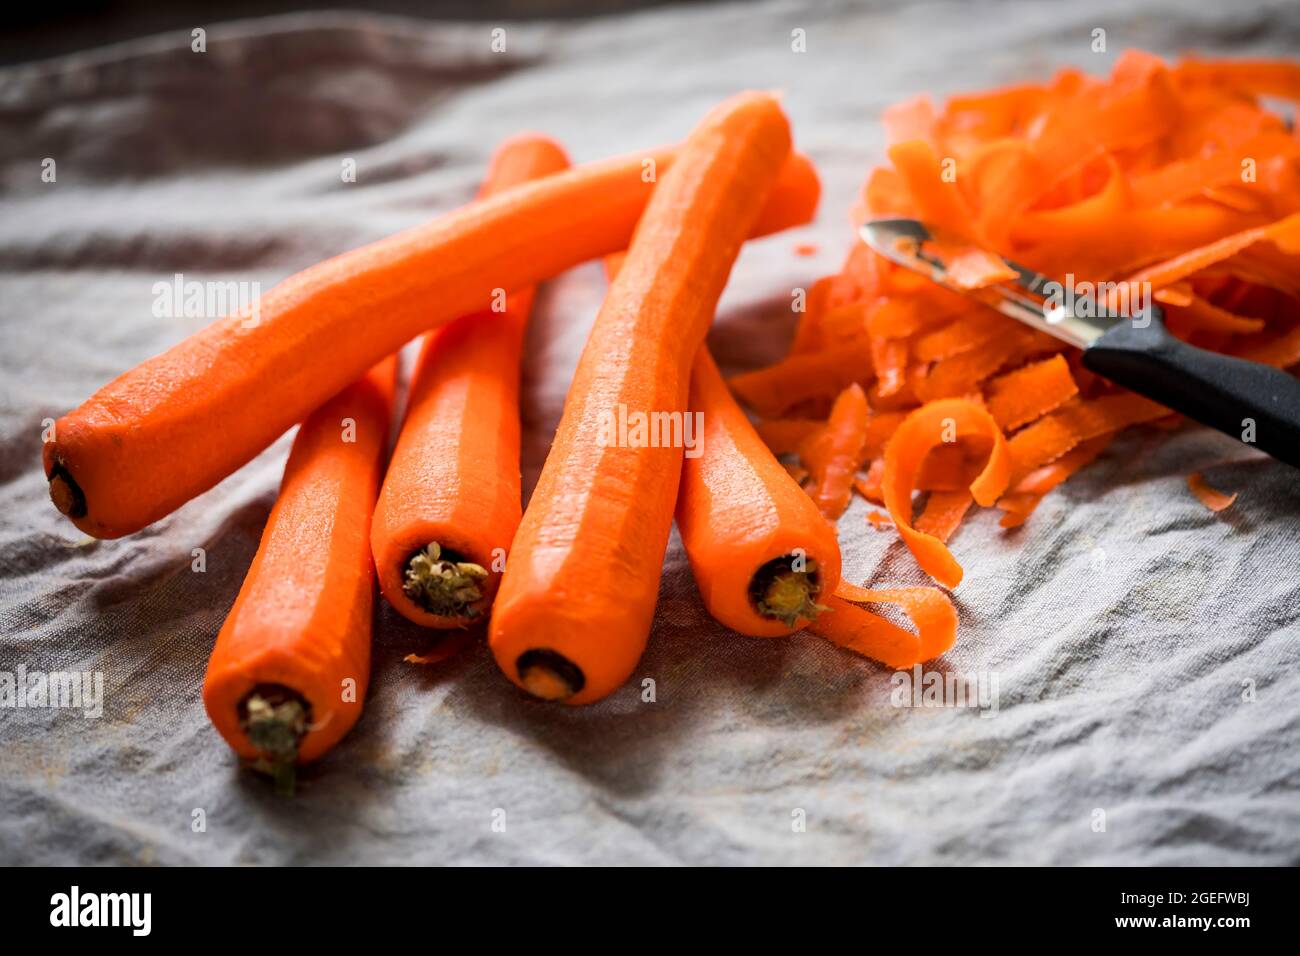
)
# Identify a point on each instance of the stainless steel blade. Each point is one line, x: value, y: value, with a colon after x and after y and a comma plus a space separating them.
x: 902, y: 241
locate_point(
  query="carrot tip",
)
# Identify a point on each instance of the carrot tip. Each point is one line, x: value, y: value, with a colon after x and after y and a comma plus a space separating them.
x: 442, y: 584
x: 780, y: 592
x: 66, y: 493
x: 549, y: 675
x: 275, y: 719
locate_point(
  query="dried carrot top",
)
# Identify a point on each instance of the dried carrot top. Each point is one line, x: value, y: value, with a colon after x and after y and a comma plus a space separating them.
x: 1173, y: 179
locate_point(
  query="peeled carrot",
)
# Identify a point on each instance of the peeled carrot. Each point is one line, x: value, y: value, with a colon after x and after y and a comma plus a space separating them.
x: 177, y: 424
x: 761, y: 552
x: 288, y: 675
x: 450, y: 501
x: 573, y: 611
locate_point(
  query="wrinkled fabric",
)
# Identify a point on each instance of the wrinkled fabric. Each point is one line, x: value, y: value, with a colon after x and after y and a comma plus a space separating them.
x: 1145, y: 650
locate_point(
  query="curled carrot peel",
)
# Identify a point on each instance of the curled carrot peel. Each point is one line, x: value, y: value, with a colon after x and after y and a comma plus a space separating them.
x: 288, y: 675
x: 450, y: 502
x: 144, y: 444
x: 1212, y: 498
x: 925, y: 429
x: 573, y: 612
x: 943, y: 513
x: 850, y: 625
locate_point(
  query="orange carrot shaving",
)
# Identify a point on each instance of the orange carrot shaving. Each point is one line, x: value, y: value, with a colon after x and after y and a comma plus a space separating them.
x: 977, y: 268
x: 1213, y: 499
x: 933, y: 187
x: 784, y: 435
x: 870, y: 485
x: 1285, y: 234
x: 1042, y: 480
x: 943, y: 512
x: 832, y: 455
x: 878, y: 519
x: 852, y: 626
x: 771, y: 391
x: 1051, y: 437
x: 1031, y: 392
x: 928, y: 427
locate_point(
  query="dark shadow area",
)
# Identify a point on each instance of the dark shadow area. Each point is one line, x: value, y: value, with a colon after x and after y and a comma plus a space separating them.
x: 37, y: 31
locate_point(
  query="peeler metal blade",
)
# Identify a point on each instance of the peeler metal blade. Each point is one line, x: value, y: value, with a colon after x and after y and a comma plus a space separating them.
x: 903, y: 241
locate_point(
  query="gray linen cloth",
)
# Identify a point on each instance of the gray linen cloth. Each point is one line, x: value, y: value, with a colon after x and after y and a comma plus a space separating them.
x: 1145, y: 651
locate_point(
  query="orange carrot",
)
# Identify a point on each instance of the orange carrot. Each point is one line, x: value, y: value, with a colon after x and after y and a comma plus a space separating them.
x: 287, y: 677
x: 761, y: 552
x: 177, y: 424
x: 1212, y: 498
x: 928, y: 427
x: 573, y: 611
x: 450, y: 501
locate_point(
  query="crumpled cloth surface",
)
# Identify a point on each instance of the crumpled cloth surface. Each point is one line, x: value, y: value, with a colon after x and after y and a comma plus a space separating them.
x: 1146, y: 651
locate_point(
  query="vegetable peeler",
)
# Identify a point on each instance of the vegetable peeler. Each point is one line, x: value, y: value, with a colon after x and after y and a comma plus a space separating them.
x: 1137, y: 352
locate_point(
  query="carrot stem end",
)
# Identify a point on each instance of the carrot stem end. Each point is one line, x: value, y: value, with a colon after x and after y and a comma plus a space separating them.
x: 275, y: 721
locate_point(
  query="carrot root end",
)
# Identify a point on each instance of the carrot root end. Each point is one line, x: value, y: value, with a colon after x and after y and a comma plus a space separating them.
x: 441, y: 584
x: 66, y: 493
x: 275, y: 720
x: 549, y: 675
x: 786, y: 588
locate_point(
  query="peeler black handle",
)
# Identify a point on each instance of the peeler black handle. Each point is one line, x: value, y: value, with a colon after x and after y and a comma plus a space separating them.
x: 1213, y: 389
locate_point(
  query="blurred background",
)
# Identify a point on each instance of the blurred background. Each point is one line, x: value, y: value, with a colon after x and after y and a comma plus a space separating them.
x: 36, y: 31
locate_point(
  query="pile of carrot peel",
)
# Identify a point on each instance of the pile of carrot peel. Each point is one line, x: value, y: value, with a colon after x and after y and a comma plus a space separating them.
x: 1175, y: 176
